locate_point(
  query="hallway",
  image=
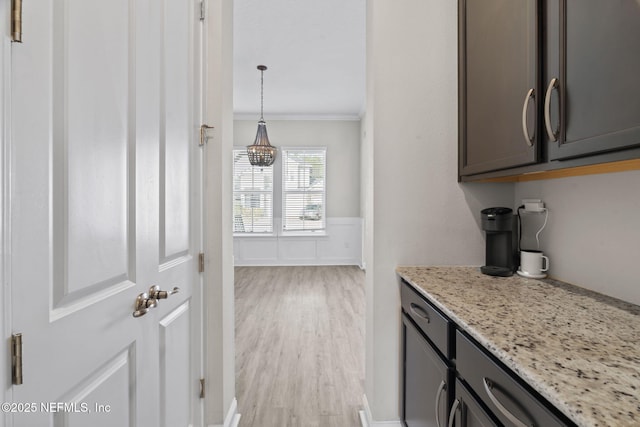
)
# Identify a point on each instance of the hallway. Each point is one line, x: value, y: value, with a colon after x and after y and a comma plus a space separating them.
x: 299, y: 346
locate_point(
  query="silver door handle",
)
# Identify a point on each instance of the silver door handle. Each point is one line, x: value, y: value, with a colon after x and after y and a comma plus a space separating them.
x: 143, y: 304
x: 553, y: 135
x: 441, y: 388
x: 146, y: 301
x: 488, y: 386
x: 525, y: 108
x: 156, y: 293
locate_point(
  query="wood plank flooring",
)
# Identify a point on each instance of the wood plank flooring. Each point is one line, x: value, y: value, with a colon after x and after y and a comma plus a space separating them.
x: 299, y: 346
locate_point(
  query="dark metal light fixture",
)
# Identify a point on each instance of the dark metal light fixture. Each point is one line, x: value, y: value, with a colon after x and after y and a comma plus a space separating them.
x: 261, y: 153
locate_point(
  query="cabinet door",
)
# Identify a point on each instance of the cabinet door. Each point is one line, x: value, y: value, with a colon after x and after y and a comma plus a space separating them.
x: 498, y: 84
x: 467, y: 412
x: 426, y: 381
x: 593, y: 53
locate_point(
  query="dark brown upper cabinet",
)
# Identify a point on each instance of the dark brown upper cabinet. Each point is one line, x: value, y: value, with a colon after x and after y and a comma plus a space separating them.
x: 547, y: 84
x: 592, y: 76
x: 498, y: 84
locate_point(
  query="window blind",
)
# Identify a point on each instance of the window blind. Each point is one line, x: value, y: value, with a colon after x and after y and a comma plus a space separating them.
x: 252, y: 195
x: 303, y: 189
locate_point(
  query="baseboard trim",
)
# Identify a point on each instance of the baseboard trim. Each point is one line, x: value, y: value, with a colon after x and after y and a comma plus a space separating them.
x: 233, y: 417
x: 366, y: 418
x: 363, y: 419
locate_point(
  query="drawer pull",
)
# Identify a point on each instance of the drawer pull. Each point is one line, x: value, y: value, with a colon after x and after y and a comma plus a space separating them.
x: 452, y: 414
x: 441, y: 388
x: 488, y: 386
x: 420, y: 312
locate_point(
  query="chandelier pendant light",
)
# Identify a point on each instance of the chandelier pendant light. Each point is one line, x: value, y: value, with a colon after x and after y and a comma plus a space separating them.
x: 261, y: 153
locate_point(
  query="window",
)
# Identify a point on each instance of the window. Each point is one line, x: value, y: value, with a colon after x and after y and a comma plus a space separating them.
x: 252, y: 195
x: 303, y: 189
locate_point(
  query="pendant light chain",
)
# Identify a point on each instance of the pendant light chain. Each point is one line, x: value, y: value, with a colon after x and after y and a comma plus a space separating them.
x: 261, y: 94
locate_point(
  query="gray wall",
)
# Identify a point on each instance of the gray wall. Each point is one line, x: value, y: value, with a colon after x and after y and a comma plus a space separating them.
x: 415, y: 211
x: 342, y: 139
x: 593, y: 233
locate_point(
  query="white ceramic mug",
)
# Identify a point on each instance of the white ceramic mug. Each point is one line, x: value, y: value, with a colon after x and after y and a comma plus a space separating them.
x: 533, y: 262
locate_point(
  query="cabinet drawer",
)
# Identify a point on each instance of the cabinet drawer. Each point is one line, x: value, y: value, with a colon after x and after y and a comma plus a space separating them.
x: 434, y: 325
x: 503, y: 395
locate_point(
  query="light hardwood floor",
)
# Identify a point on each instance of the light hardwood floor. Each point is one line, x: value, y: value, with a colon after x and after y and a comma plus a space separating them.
x: 299, y: 346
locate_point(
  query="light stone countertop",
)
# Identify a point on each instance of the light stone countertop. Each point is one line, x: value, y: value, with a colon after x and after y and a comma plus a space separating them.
x: 577, y: 348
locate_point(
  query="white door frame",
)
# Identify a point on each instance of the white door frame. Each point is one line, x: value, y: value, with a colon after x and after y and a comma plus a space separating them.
x: 5, y: 293
x: 220, y: 401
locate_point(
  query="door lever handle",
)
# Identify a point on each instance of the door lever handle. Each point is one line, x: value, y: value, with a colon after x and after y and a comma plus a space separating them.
x: 143, y: 304
x: 156, y: 293
x: 146, y: 301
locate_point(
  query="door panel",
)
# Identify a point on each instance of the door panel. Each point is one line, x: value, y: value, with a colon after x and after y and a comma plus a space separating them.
x: 599, y: 109
x: 175, y: 132
x: 105, y: 202
x: 90, y: 140
x: 498, y: 68
x: 424, y: 376
x: 174, y: 367
x: 89, y: 396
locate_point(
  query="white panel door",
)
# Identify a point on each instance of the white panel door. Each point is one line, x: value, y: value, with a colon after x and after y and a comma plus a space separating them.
x: 105, y: 202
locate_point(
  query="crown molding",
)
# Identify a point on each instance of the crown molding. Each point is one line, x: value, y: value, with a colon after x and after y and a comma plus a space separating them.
x: 291, y: 117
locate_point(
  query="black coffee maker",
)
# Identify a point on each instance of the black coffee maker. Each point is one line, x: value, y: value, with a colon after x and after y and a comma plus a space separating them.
x: 499, y: 225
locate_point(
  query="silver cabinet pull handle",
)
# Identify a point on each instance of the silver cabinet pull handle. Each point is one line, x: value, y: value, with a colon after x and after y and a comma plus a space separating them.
x: 488, y: 386
x: 420, y: 312
x: 525, y: 108
x: 553, y: 135
x: 441, y: 388
x: 452, y: 414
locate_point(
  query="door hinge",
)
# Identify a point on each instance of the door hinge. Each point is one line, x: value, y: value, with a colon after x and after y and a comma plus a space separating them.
x: 201, y: 388
x: 201, y: 262
x: 16, y: 359
x: 203, y: 134
x: 202, y: 10
x: 16, y: 21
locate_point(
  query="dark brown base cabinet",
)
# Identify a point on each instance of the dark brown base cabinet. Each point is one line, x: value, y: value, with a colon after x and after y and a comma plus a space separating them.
x: 451, y: 380
x: 427, y: 381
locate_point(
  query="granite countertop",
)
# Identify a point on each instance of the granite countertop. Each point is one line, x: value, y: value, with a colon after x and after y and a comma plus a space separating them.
x: 577, y: 348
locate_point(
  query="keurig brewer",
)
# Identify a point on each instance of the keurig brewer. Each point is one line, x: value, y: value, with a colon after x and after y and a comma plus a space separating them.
x: 502, y: 242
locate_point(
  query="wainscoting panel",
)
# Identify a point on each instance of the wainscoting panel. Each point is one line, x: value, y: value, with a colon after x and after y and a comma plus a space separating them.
x: 341, y: 245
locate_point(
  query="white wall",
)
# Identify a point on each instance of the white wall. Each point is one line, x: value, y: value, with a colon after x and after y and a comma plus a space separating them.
x: 415, y: 211
x: 593, y: 234
x: 341, y: 245
x: 342, y: 139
